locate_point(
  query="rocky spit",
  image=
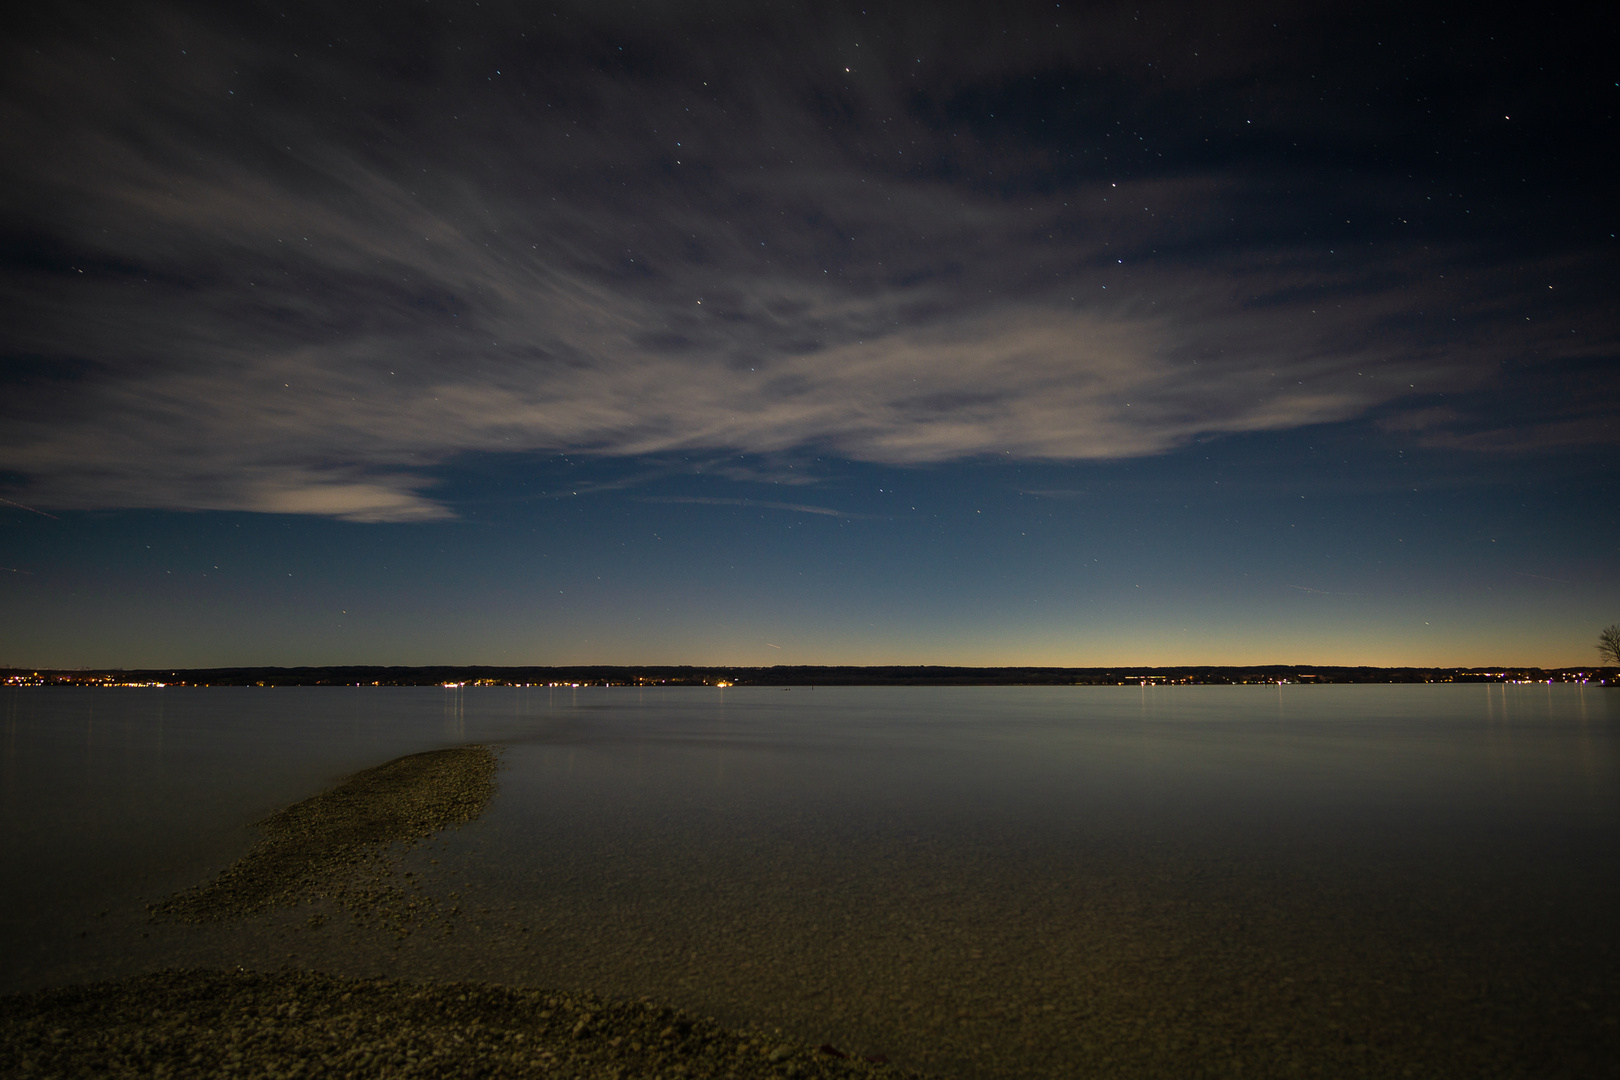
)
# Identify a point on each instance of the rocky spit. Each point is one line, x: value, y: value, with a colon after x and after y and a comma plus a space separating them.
x: 343, y: 845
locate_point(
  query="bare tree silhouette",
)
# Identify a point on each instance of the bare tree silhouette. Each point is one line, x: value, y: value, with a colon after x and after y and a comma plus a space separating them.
x: 1608, y: 645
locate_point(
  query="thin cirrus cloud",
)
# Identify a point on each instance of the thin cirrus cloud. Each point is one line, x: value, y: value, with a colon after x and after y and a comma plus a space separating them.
x: 235, y: 302
x: 797, y: 508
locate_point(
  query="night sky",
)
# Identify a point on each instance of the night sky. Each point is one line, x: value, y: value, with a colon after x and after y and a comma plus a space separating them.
x: 753, y: 333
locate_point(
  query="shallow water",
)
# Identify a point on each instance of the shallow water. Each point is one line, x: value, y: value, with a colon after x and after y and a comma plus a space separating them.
x: 979, y: 882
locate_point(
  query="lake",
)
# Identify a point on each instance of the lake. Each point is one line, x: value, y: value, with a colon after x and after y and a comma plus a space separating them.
x: 997, y: 882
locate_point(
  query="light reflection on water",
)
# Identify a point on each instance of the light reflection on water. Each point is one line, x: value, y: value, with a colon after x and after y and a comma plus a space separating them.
x: 996, y: 881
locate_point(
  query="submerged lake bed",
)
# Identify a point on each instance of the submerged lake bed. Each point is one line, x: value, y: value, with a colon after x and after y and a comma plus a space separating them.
x: 1110, y: 881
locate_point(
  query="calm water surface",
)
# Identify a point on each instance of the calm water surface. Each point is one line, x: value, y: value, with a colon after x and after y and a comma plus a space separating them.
x: 980, y: 882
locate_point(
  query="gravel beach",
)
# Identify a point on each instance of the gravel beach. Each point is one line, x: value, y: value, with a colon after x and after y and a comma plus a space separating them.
x: 294, y: 1024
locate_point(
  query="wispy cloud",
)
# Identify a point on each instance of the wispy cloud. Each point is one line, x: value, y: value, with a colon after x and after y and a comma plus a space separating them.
x: 798, y: 508
x: 243, y: 302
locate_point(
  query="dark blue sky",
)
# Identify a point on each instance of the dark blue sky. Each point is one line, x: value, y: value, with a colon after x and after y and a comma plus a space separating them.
x: 807, y: 333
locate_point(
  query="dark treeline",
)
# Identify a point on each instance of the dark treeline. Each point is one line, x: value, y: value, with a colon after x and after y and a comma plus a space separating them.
x: 786, y: 675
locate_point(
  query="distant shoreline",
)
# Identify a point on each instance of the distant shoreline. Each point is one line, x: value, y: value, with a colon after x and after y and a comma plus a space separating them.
x: 652, y: 675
